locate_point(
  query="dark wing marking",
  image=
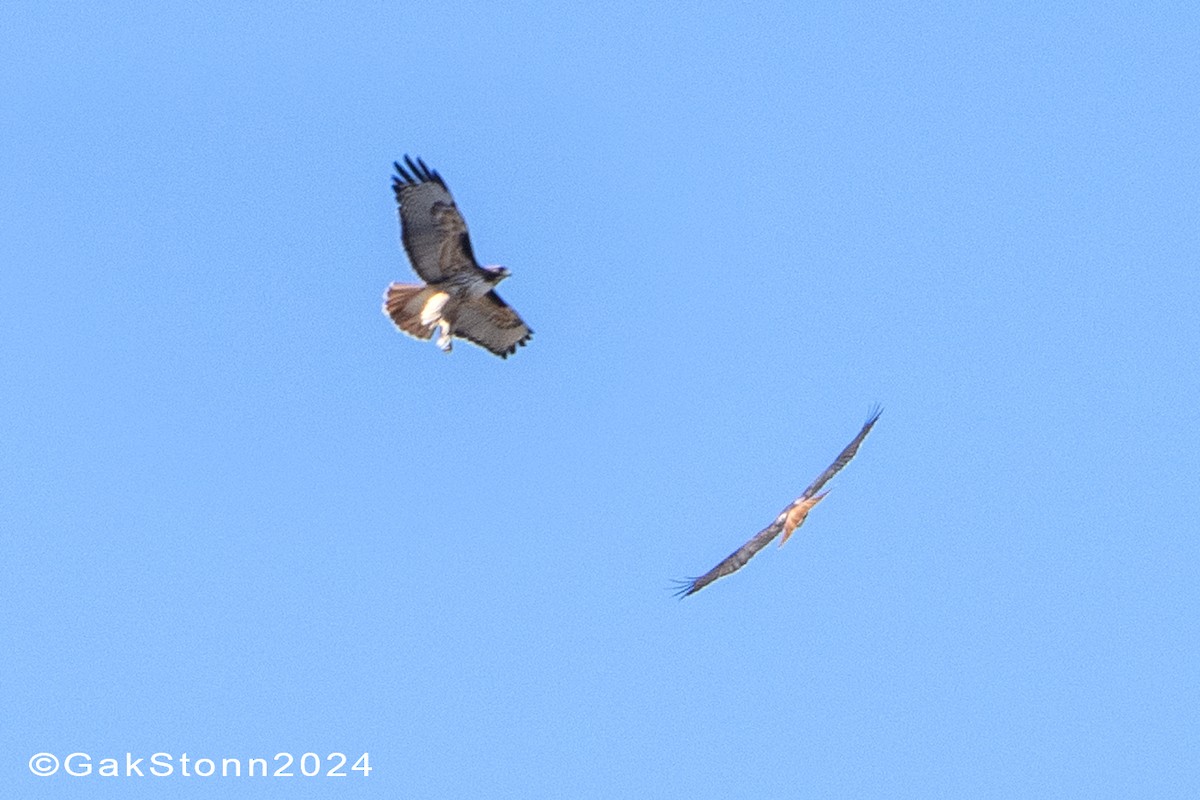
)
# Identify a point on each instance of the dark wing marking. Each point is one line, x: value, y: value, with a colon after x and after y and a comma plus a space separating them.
x: 491, y: 323
x: 433, y: 231
x: 738, y: 558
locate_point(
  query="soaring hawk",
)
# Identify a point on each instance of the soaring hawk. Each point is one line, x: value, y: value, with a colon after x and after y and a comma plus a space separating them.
x: 457, y: 294
x: 786, y: 523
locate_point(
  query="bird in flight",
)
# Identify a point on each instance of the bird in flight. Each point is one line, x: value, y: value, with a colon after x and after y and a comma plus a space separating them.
x: 458, y: 294
x: 786, y: 523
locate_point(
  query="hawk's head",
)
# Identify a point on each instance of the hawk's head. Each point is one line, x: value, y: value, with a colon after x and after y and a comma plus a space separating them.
x: 497, y: 273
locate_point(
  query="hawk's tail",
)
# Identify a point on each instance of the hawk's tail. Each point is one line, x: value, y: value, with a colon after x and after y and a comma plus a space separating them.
x: 405, y: 303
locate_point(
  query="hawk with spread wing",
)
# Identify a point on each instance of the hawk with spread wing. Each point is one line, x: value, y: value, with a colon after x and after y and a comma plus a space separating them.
x: 786, y: 523
x: 458, y: 295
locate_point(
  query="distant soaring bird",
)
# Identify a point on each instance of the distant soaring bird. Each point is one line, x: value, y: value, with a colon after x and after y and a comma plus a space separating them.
x: 458, y: 294
x: 788, y: 520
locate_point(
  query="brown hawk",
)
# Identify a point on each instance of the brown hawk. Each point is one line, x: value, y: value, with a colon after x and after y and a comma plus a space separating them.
x: 458, y: 295
x: 786, y: 523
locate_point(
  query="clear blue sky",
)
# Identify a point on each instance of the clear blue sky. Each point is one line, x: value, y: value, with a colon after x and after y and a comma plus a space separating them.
x: 241, y: 515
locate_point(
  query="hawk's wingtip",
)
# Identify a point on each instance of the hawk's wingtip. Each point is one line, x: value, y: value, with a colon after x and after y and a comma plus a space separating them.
x: 683, y: 588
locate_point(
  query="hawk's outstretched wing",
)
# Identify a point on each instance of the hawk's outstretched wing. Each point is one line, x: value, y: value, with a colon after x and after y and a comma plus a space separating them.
x: 788, y: 520
x: 490, y: 322
x: 844, y: 457
x: 734, y: 561
x: 433, y: 232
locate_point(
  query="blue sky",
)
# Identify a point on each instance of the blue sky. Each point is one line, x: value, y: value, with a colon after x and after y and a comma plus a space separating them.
x: 241, y: 515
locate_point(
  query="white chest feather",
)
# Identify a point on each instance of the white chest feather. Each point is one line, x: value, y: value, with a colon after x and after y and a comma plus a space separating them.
x: 431, y: 312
